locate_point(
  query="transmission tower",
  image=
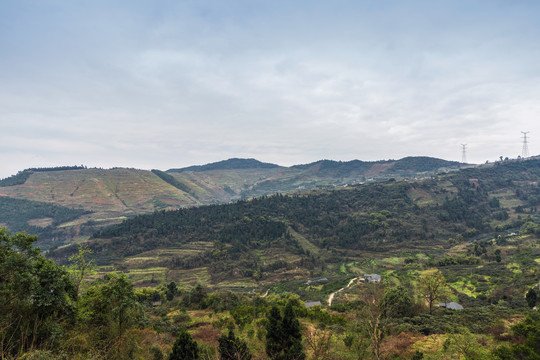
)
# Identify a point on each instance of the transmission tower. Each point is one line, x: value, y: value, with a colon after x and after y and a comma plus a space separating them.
x: 464, y: 154
x: 525, y: 150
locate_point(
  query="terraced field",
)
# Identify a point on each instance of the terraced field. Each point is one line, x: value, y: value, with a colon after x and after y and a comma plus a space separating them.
x: 125, y: 191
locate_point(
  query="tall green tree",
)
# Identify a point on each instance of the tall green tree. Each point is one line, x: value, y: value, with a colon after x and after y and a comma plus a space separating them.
x: 292, y: 334
x: 171, y: 290
x: 109, y: 306
x: 283, y: 335
x: 81, y: 267
x: 184, y: 348
x: 37, y: 296
x: 274, y: 333
x: 233, y: 348
x: 396, y: 302
x: 498, y: 256
x: 531, y: 298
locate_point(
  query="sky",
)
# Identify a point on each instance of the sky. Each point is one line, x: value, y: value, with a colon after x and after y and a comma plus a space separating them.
x: 167, y: 84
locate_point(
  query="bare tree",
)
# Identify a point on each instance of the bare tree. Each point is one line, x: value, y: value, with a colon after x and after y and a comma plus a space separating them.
x: 371, y: 316
x: 318, y: 341
x: 433, y: 287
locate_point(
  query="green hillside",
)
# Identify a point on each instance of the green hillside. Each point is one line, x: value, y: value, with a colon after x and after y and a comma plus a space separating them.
x: 287, y: 237
x: 112, y: 195
x: 38, y: 218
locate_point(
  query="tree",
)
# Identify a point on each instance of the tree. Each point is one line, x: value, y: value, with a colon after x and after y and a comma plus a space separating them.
x: 233, y: 348
x: 462, y: 342
x: 433, y: 287
x: 396, y: 302
x: 371, y: 316
x: 319, y: 342
x: 81, y: 267
x: 531, y: 298
x: 283, y: 335
x: 529, y: 331
x: 274, y: 333
x: 197, y: 297
x: 184, y: 348
x: 36, y: 295
x: 292, y: 334
x: 171, y: 291
x: 109, y: 307
x: 498, y: 256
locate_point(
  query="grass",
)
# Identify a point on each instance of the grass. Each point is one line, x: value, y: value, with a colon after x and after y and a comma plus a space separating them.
x: 191, y: 277
x: 422, y: 257
x: 304, y: 243
x: 393, y: 260
x: 507, y: 198
x: 421, y: 197
x: 163, y: 254
x: 41, y: 222
x: 354, y: 268
x: 464, y: 287
x: 153, y: 275
x: 514, y: 267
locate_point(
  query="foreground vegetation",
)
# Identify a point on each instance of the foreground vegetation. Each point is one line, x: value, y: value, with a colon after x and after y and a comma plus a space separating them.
x: 55, y: 312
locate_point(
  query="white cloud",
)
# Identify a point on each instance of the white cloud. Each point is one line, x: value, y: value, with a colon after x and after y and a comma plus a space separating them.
x: 161, y: 86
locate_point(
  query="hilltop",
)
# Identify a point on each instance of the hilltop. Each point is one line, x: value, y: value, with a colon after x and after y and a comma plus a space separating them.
x: 99, y: 197
x: 234, y: 163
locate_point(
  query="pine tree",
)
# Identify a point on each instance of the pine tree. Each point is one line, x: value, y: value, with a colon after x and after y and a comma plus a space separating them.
x: 283, y: 336
x: 292, y: 335
x: 233, y: 348
x: 171, y: 290
x: 531, y: 298
x: 184, y: 348
x: 274, y: 334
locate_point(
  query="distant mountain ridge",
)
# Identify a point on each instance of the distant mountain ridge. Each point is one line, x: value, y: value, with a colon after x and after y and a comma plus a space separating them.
x: 233, y: 163
x: 414, y: 163
x: 410, y: 163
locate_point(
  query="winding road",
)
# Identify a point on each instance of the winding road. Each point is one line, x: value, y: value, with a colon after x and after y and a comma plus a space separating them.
x: 331, y: 298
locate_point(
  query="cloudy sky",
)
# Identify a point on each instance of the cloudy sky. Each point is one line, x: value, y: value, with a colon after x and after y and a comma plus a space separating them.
x: 164, y: 84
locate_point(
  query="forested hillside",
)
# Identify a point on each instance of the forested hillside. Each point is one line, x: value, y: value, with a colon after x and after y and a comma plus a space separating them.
x: 111, y: 195
x: 39, y: 218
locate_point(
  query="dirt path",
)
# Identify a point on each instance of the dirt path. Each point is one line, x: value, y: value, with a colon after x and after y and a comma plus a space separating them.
x: 331, y: 298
